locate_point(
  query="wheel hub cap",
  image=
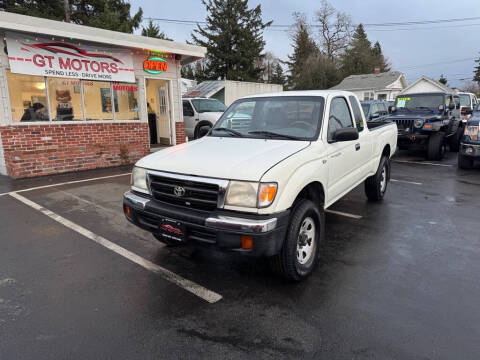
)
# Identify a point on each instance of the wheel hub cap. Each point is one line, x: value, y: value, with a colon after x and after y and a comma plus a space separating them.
x: 306, y: 240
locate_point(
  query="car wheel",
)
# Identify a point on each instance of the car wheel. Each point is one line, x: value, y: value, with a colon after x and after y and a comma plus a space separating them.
x: 464, y: 162
x: 436, y: 146
x: 376, y: 185
x: 305, y: 233
x: 202, y: 131
x: 169, y: 243
x: 455, y: 140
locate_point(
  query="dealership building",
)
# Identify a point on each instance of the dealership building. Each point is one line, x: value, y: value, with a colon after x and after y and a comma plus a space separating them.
x: 74, y: 97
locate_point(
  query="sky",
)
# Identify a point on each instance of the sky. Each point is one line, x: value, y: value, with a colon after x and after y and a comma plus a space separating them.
x: 415, y: 50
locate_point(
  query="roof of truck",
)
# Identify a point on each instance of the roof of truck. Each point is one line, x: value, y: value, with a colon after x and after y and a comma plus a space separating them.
x: 323, y: 93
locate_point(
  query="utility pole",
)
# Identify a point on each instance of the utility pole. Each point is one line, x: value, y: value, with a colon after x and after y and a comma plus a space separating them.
x: 67, y: 10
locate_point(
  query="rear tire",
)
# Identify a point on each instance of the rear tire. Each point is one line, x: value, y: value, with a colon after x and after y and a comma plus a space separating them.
x: 376, y: 185
x: 464, y: 162
x: 455, y: 140
x: 436, y: 146
x: 169, y: 243
x: 300, y: 250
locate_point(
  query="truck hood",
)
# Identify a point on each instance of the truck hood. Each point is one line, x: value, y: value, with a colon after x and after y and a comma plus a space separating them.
x: 223, y: 157
x: 210, y: 116
x: 425, y: 116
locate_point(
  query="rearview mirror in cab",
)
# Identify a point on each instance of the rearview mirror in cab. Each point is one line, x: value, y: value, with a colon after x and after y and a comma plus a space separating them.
x: 346, y: 134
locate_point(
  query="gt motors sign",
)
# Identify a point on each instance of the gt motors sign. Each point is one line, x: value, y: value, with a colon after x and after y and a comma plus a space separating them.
x: 64, y: 59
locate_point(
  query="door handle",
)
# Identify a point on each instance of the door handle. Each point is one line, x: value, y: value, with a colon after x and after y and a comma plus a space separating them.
x: 357, y: 147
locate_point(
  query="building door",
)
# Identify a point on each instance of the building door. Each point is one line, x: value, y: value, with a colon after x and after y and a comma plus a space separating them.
x: 158, y: 111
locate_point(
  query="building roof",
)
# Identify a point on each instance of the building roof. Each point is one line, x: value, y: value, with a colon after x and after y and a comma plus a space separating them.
x: 368, y: 81
x: 205, y: 89
x: 431, y: 81
x: 30, y: 24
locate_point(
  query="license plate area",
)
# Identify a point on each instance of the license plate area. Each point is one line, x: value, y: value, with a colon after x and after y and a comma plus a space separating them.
x: 172, y: 229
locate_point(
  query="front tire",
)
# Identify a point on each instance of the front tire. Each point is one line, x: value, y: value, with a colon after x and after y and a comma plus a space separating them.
x: 464, y: 162
x: 436, y: 146
x: 376, y: 185
x: 300, y: 250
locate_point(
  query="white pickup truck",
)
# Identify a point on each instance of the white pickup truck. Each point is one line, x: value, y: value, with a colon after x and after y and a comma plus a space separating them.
x: 260, y: 181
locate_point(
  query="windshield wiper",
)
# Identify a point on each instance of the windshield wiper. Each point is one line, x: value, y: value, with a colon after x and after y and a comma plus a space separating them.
x: 231, y: 131
x: 423, y: 107
x: 273, y: 134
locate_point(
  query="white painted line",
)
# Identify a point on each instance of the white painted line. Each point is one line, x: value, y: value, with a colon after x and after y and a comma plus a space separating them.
x: 353, y: 216
x: 406, y: 182
x: 421, y: 163
x: 66, y: 183
x: 188, y: 285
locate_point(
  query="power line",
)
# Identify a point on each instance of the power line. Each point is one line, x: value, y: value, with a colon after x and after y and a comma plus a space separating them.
x: 412, y: 67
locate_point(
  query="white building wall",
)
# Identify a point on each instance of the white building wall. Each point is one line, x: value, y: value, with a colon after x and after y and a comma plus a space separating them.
x: 236, y: 89
x: 422, y: 86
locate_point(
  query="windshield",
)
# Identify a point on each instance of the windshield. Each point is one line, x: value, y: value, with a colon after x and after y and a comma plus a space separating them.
x: 280, y: 117
x: 413, y: 102
x: 464, y: 100
x: 365, y: 108
x: 208, y: 105
x: 477, y: 108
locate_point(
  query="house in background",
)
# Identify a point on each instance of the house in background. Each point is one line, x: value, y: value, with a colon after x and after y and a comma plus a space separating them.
x: 425, y: 84
x: 377, y: 86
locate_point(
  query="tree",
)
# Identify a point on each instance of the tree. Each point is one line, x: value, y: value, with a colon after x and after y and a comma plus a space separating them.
x: 303, y: 47
x: 278, y: 77
x: 47, y: 9
x: 152, y: 30
x: 476, y: 74
x: 358, y: 58
x: 106, y: 14
x: 234, y: 40
x: 443, y: 80
x: 335, y: 30
x: 379, y: 60
x: 318, y: 72
x: 195, y: 71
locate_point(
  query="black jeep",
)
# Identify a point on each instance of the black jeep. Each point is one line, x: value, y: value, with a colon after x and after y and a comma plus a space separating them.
x: 470, y: 142
x: 428, y: 121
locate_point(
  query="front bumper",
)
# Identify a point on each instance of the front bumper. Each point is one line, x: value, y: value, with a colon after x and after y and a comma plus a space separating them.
x: 220, y: 229
x: 472, y: 150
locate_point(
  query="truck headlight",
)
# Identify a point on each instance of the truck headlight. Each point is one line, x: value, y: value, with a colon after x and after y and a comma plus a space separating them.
x: 418, y: 123
x: 139, y: 179
x: 472, y: 131
x: 250, y: 194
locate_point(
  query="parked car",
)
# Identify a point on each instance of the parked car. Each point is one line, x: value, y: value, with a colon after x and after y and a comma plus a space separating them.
x: 200, y: 114
x: 428, y: 121
x: 261, y: 189
x: 468, y: 102
x: 374, y: 109
x: 470, y: 143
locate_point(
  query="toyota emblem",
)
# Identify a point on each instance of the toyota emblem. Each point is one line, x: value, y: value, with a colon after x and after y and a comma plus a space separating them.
x: 179, y: 191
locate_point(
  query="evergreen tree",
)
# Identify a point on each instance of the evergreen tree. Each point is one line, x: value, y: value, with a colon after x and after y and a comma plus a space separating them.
x: 476, y: 73
x: 233, y: 37
x: 152, y: 30
x: 318, y: 72
x: 379, y: 60
x: 443, y: 80
x: 358, y: 58
x: 105, y: 14
x: 195, y: 71
x: 303, y: 47
x: 278, y: 77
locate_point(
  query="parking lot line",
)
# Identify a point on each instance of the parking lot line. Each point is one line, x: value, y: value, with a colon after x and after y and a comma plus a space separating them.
x: 421, y: 163
x: 353, y: 216
x: 406, y: 182
x: 198, y: 290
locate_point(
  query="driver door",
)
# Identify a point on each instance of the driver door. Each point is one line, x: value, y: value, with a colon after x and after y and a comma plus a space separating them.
x: 342, y: 167
x: 189, y: 118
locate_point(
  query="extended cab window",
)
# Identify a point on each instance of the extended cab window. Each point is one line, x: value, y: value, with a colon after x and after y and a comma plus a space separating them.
x: 340, y: 117
x: 357, y: 113
x: 187, y: 109
x: 276, y: 117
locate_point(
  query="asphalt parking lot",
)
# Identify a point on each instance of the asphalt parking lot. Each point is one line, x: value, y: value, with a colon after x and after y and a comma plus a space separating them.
x: 397, y: 280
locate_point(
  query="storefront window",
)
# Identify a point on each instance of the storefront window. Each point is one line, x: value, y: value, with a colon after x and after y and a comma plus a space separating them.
x: 28, y: 97
x: 65, y: 99
x: 126, y: 101
x: 98, y: 100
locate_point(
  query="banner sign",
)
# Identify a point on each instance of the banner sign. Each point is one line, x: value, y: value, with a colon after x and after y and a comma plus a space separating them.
x: 67, y: 60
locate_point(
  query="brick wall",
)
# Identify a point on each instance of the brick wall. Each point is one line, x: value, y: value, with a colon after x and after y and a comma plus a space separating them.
x: 180, y: 132
x: 36, y: 150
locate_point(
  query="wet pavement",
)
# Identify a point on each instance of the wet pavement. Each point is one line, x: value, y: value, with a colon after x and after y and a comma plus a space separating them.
x: 401, y: 282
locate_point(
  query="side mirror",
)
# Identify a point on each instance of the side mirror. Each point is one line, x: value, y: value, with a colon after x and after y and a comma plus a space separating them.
x: 451, y: 106
x: 346, y: 134
x: 392, y: 109
x: 441, y: 108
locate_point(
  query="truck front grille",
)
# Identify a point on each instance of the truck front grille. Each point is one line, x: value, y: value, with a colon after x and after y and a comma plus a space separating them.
x: 187, y: 193
x: 404, y: 124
